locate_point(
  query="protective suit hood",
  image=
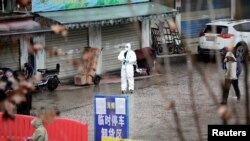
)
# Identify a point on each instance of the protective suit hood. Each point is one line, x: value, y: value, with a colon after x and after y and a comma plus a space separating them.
x: 36, y: 123
x: 230, y: 54
x: 128, y: 47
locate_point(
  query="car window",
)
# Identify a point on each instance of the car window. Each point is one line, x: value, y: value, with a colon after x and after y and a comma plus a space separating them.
x: 245, y: 27
x: 216, y: 29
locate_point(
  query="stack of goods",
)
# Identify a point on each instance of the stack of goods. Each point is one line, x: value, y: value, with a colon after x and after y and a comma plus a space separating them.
x: 87, y: 69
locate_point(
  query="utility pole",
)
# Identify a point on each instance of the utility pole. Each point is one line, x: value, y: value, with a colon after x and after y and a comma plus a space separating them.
x: 235, y: 9
x: 3, y: 6
x: 177, y: 6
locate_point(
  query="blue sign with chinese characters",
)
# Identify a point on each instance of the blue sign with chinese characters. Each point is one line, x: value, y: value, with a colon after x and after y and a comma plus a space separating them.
x: 111, y: 116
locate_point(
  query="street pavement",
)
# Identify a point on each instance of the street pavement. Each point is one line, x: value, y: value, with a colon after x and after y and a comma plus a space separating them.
x: 150, y: 119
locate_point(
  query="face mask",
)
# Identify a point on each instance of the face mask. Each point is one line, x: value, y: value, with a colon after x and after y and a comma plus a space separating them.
x: 126, y: 48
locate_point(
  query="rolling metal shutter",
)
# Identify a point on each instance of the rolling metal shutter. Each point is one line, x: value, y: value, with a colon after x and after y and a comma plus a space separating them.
x: 112, y: 38
x: 9, y: 54
x: 72, y: 45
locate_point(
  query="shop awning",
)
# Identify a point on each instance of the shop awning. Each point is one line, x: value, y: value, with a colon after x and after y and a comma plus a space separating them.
x: 109, y: 15
x: 21, y: 27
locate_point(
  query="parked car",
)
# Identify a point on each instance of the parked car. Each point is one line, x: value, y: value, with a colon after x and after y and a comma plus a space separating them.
x: 219, y: 34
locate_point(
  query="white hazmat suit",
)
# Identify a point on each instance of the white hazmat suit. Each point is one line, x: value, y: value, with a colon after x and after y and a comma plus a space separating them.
x: 128, y: 58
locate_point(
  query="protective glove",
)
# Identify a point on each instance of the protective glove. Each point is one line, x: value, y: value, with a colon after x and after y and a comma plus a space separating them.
x: 125, y: 62
x: 28, y: 139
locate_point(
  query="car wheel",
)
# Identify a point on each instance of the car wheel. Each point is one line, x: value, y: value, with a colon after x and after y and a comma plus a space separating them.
x: 201, y: 57
x: 148, y: 71
x: 52, y: 84
x: 240, y: 53
x: 200, y: 54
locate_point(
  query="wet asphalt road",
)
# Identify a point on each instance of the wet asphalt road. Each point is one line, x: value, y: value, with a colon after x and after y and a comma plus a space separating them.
x: 149, y: 119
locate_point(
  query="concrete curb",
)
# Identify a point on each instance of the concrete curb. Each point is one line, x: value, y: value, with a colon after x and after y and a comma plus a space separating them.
x: 118, y: 79
x: 114, y: 80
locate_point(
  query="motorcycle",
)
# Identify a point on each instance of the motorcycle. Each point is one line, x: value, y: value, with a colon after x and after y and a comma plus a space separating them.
x: 49, y: 78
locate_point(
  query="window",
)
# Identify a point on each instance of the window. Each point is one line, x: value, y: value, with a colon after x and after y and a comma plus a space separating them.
x: 245, y: 27
x: 6, y: 5
x: 216, y: 29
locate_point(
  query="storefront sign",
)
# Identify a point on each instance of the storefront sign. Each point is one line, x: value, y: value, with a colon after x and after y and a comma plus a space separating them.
x: 111, y: 116
x: 54, y: 5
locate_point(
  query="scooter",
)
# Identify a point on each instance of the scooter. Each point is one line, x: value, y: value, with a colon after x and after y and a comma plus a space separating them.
x: 141, y: 71
x: 142, y: 66
x: 49, y: 78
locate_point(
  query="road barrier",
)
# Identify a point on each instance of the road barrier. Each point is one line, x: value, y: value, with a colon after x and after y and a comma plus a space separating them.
x: 104, y: 138
x: 60, y: 129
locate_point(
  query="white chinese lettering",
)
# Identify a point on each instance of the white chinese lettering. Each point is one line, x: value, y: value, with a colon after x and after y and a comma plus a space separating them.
x: 100, y: 120
x: 112, y: 132
x: 121, y: 120
x: 119, y: 133
x: 114, y: 120
x: 107, y: 120
x: 104, y: 132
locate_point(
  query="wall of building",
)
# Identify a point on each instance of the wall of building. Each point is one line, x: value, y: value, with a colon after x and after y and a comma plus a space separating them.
x: 169, y: 3
x: 245, y: 5
x: 196, y: 13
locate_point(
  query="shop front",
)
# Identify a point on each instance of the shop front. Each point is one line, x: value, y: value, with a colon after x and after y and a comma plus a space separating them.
x: 106, y: 28
x: 9, y: 54
x: 112, y: 39
x: 16, y: 33
x: 72, y: 48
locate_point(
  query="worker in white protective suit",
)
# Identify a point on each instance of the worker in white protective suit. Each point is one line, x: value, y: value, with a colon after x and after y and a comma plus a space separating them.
x: 128, y: 59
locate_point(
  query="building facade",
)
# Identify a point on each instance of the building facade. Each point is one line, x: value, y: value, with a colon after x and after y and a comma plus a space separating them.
x: 196, y: 13
x: 102, y: 26
x: 17, y: 30
x: 243, y: 7
x: 106, y: 27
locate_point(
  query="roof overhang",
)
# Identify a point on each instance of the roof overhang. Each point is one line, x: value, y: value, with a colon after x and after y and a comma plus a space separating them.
x: 25, y: 26
x: 110, y: 15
